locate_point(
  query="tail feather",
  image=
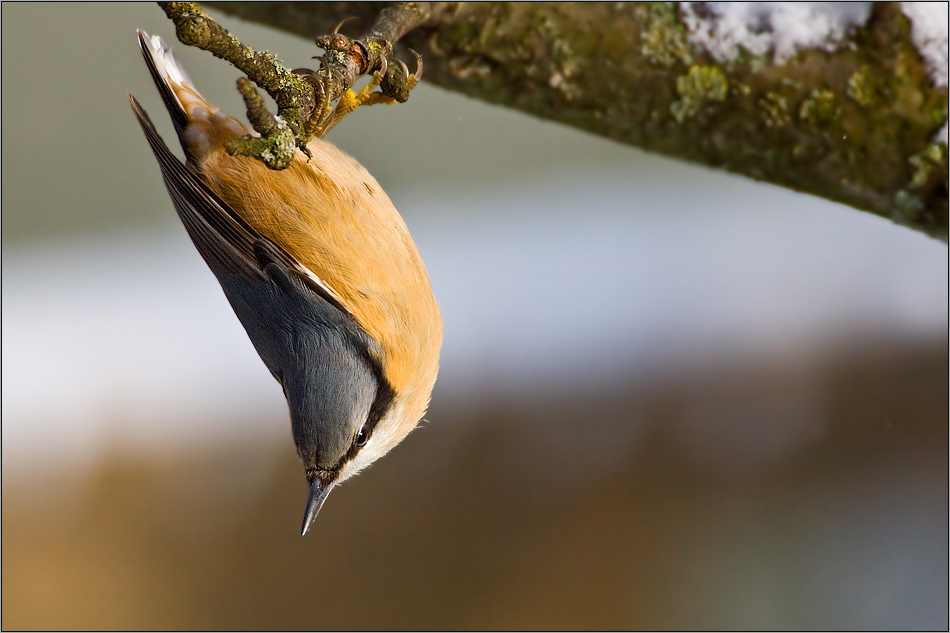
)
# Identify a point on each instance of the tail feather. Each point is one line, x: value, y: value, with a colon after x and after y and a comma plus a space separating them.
x: 166, y: 71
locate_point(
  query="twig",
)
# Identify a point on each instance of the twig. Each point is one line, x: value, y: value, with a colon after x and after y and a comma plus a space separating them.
x: 303, y: 96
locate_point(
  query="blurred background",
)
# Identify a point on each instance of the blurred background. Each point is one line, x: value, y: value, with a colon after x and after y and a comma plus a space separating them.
x: 669, y: 397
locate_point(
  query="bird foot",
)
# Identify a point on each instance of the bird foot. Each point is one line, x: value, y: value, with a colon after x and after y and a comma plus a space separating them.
x: 399, y: 83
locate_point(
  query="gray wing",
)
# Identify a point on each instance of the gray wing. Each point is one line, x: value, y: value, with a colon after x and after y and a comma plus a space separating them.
x: 267, y: 287
x: 226, y: 242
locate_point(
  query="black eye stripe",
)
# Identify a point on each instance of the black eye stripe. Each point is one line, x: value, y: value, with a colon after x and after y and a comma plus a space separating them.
x: 385, y: 395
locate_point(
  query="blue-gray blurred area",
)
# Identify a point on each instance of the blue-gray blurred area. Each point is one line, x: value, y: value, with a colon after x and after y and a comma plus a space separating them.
x: 668, y: 398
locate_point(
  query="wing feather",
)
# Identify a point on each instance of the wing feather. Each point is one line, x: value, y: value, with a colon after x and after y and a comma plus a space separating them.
x: 225, y: 240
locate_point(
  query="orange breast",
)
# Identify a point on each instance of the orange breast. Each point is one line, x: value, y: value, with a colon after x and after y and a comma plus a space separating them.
x: 333, y: 216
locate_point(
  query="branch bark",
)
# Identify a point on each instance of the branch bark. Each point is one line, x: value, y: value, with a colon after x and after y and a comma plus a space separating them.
x: 855, y: 125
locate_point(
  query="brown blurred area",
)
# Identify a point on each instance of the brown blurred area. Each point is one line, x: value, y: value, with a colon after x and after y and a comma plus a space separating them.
x: 511, y: 515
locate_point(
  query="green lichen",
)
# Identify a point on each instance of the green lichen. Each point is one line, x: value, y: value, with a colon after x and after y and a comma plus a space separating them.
x: 700, y: 85
x: 277, y: 151
x: 740, y: 89
x: 939, y: 115
x: 664, y: 40
x: 928, y: 181
x: 862, y: 87
x: 820, y: 108
x: 925, y: 162
x: 776, y: 109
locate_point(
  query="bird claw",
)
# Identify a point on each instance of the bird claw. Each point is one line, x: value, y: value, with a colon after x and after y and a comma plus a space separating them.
x: 336, y: 29
x: 405, y: 69
x: 412, y: 80
x: 325, y: 117
x: 418, y: 74
x: 322, y: 106
x: 408, y: 81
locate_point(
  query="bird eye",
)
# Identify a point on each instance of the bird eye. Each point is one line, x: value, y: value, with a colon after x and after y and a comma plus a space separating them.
x: 362, y: 437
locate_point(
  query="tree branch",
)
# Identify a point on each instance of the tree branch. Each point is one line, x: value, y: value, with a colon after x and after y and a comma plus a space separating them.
x: 854, y: 125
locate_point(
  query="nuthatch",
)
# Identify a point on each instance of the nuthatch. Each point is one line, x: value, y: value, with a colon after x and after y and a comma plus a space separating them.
x: 322, y: 273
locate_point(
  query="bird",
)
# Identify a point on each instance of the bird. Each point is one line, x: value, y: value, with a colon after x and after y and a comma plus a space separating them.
x: 321, y: 271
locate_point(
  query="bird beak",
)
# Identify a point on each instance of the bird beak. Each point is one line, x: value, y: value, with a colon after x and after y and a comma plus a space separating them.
x: 318, y: 494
